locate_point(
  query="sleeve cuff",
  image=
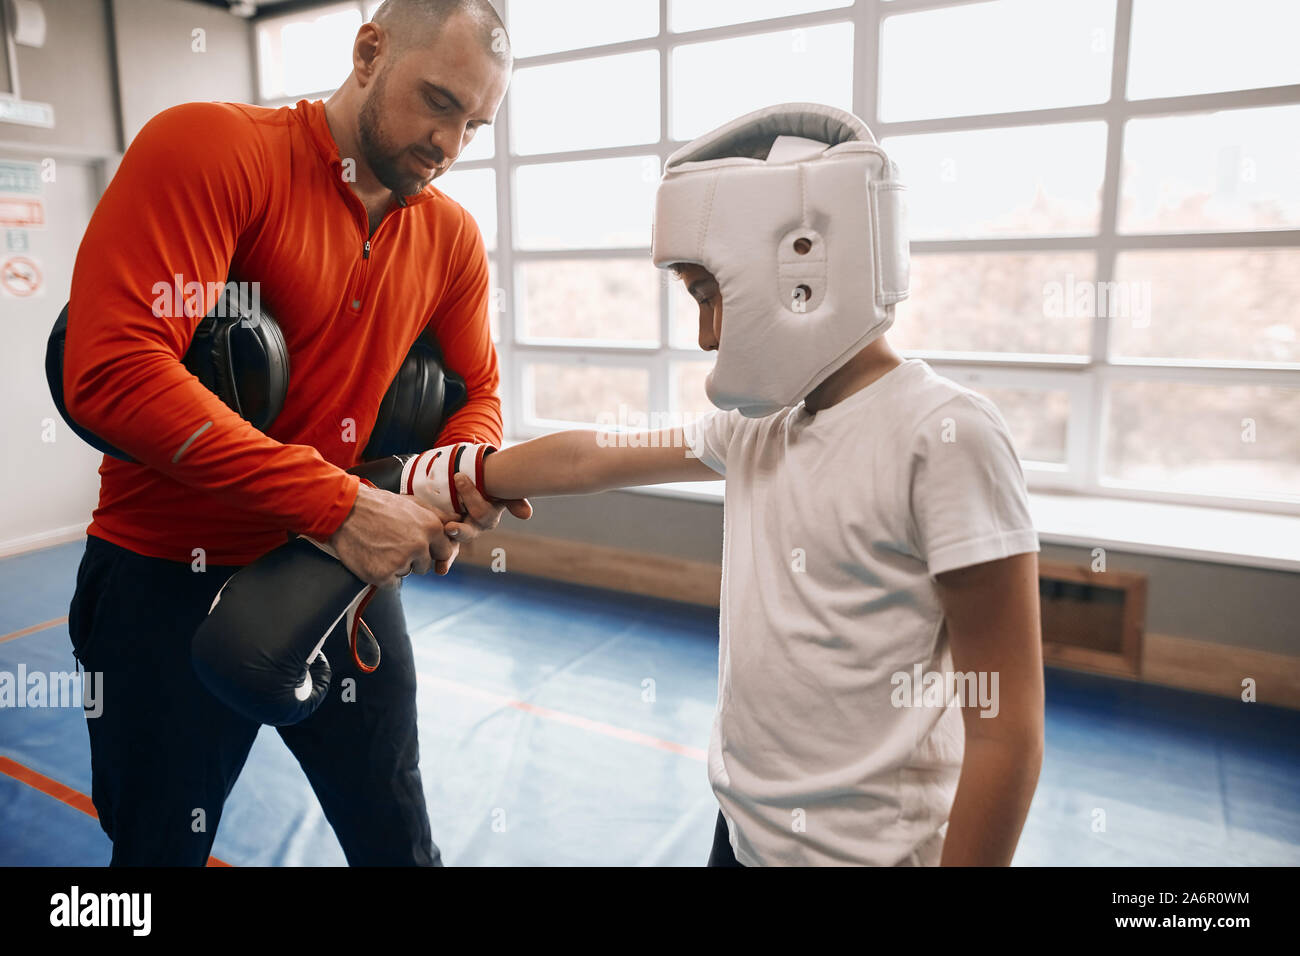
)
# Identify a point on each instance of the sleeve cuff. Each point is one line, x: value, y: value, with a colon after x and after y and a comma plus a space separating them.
x: 979, y: 550
x: 338, y: 510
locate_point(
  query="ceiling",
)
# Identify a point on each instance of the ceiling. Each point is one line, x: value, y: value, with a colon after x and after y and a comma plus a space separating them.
x: 263, y: 7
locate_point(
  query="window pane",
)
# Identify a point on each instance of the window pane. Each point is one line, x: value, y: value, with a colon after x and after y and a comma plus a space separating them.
x: 715, y: 82
x: 699, y: 14
x: 604, y: 300
x: 996, y: 57
x: 1244, y: 309
x: 584, y: 393
x: 1037, y: 419
x: 482, y: 146
x: 1238, y: 440
x: 689, y: 398
x: 475, y: 189
x: 1031, y: 181
x: 1231, y: 170
x: 308, y: 53
x: 996, y: 302
x: 497, y: 302
x: 1181, y: 47
x: 547, y: 26
x: 599, y: 203
x: 619, y: 97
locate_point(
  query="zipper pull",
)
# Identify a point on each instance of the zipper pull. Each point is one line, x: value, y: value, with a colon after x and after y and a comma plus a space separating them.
x: 365, y: 250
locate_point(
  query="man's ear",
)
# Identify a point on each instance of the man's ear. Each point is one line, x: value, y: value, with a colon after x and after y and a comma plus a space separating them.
x: 371, y: 41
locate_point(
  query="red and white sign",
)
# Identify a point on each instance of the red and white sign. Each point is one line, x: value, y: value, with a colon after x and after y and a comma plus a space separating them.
x: 21, y: 212
x: 20, y: 277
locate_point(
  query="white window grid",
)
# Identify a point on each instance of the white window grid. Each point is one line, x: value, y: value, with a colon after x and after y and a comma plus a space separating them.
x: 1085, y: 380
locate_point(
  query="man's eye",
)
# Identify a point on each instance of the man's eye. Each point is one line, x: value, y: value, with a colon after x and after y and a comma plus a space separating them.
x: 434, y: 104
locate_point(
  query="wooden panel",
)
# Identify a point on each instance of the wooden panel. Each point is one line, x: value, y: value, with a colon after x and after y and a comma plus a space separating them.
x: 694, y: 582
x: 1159, y: 658
x: 1219, y: 669
x: 1092, y: 620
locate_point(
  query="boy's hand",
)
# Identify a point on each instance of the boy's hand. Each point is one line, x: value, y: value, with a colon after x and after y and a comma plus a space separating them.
x: 482, y: 515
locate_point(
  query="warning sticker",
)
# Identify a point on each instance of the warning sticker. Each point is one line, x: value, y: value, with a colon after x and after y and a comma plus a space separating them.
x: 21, y: 212
x: 17, y: 177
x: 20, y: 277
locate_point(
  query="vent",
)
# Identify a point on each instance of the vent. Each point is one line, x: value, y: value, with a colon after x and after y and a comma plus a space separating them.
x: 1092, y: 620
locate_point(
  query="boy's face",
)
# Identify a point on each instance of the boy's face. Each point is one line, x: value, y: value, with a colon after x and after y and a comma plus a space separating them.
x: 703, y: 288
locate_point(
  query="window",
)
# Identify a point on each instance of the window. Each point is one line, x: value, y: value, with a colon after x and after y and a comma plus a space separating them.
x: 1104, y: 208
x: 1108, y: 245
x: 306, y: 53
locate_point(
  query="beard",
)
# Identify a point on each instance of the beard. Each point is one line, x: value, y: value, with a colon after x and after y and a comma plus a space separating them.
x: 382, y: 155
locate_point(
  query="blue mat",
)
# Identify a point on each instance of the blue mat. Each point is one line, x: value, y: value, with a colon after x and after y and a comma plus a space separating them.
x: 562, y: 725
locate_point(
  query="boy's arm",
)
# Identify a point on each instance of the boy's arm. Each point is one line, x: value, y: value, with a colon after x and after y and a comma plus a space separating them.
x: 585, y: 462
x: 993, y: 626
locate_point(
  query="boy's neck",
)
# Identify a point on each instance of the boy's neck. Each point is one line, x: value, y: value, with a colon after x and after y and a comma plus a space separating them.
x: 873, y: 362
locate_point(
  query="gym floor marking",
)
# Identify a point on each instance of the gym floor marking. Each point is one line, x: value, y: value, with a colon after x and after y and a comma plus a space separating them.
x: 573, y: 720
x: 61, y: 792
x: 14, y: 635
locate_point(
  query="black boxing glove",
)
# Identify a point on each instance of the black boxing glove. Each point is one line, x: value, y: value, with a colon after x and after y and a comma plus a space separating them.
x: 259, y: 650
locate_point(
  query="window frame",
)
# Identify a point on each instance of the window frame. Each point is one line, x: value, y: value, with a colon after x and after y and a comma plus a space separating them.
x: 1084, y: 379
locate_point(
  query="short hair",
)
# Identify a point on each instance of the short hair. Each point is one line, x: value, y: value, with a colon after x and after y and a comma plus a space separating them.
x: 412, y: 23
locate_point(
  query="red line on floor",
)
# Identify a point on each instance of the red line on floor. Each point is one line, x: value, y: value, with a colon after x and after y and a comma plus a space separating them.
x: 61, y: 792
x: 14, y: 635
x: 573, y: 720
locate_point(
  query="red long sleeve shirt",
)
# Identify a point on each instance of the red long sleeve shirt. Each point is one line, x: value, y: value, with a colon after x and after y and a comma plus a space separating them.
x: 208, y: 190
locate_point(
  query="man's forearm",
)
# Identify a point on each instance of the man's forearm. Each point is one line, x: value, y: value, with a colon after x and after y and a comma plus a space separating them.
x: 997, y: 784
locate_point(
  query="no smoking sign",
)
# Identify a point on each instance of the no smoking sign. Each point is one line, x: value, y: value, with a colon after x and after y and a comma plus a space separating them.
x: 20, y: 277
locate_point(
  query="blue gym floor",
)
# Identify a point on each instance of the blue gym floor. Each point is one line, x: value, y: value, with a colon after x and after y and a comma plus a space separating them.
x: 542, y: 744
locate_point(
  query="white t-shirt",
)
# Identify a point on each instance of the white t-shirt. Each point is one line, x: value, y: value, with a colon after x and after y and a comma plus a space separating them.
x: 834, y: 525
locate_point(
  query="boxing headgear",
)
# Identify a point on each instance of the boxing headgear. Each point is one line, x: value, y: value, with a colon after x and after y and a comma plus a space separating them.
x: 799, y: 215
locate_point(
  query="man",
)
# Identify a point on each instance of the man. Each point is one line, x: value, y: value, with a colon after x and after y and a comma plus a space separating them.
x: 329, y: 207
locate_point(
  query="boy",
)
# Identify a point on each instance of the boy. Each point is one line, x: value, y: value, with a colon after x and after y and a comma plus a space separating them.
x: 876, y: 534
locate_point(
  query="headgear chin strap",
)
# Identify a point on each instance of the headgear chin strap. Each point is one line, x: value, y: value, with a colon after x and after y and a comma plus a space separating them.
x: 799, y: 215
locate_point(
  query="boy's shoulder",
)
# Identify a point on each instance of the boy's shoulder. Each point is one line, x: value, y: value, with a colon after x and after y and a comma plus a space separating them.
x: 922, y: 397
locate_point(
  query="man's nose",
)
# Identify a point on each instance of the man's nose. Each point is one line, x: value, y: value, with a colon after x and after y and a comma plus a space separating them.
x: 447, y: 141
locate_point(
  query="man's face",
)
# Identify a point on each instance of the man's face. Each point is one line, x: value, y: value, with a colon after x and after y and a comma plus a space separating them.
x: 423, y: 109
x: 703, y: 288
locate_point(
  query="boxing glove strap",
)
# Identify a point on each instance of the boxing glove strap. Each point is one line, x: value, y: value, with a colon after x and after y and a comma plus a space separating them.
x: 352, y: 618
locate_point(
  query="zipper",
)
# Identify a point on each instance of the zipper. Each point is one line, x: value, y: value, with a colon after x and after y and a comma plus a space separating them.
x: 356, y: 294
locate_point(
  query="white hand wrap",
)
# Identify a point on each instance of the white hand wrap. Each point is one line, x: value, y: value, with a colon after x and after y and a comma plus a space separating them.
x: 429, y: 476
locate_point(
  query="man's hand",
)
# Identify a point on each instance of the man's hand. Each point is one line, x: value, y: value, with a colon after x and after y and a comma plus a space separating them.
x: 482, y: 515
x: 388, y: 536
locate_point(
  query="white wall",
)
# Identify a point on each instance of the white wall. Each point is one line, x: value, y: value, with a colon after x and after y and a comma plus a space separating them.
x: 107, y: 67
x: 158, y: 65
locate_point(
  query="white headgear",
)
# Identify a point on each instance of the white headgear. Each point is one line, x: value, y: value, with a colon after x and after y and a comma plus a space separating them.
x: 800, y: 216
